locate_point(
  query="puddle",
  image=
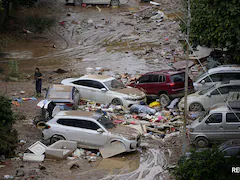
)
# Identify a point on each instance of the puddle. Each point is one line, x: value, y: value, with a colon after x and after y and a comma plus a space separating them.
x: 152, y: 166
x: 123, y: 163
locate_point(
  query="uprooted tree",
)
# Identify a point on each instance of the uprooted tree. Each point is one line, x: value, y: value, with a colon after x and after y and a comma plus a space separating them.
x: 8, y: 135
x: 215, y: 23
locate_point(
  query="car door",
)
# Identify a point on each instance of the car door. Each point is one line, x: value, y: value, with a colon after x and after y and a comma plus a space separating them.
x: 215, y: 97
x: 231, y: 151
x: 96, y: 93
x: 92, y: 137
x: 142, y: 83
x: 83, y: 87
x: 213, y: 127
x: 151, y: 83
x: 71, y: 131
x: 232, y: 126
x: 209, y: 82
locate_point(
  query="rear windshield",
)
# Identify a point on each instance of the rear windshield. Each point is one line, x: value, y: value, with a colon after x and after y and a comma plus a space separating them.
x: 106, y: 122
x: 178, y: 77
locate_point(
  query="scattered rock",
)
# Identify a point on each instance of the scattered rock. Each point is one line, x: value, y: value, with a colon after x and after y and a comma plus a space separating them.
x: 60, y: 71
x: 20, y: 173
x: 90, y: 21
x: 73, y: 165
x: 42, y: 167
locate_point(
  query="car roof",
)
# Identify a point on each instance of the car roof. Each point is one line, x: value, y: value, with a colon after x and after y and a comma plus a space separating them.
x: 222, y: 107
x: 79, y: 114
x: 60, y: 88
x: 59, y: 91
x: 97, y: 77
x: 166, y: 72
x: 224, y: 69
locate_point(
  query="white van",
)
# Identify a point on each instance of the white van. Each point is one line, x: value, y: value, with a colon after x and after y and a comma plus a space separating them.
x: 218, y: 74
x: 219, y: 123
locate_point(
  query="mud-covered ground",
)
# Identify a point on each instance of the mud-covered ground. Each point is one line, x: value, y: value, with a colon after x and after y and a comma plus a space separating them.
x: 121, y: 40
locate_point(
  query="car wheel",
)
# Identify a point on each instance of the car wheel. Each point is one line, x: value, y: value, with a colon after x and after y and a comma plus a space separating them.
x: 56, y: 138
x: 117, y: 101
x: 77, y: 2
x: 114, y: 3
x: 164, y: 100
x: 201, y: 142
x: 195, y: 107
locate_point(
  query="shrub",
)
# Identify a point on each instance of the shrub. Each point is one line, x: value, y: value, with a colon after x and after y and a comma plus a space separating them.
x: 8, y: 136
x: 210, y: 164
x: 38, y: 23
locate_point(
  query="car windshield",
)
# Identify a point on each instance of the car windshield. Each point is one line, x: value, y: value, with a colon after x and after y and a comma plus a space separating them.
x: 114, y: 84
x: 106, y: 122
x: 206, y: 90
x: 203, y: 115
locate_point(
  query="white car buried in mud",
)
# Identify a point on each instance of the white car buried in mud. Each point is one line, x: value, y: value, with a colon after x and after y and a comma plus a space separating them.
x: 105, y: 89
x: 91, y: 130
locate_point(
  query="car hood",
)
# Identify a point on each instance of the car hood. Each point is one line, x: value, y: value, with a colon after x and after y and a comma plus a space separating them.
x: 193, y: 96
x: 194, y: 123
x: 131, y: 91
x: 127, y: 132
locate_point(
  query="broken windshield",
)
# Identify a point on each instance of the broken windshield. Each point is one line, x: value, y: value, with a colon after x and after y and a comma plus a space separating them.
x: 106, y: 122
x: 114, y: 84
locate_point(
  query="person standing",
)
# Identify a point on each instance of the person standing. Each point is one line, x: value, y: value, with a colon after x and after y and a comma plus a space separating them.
x: 38, y: 79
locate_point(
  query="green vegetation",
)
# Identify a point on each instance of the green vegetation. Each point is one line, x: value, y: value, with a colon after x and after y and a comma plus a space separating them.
x: 1, y: 6
x: 209, y: 164
x: 215, y: 23
x: 8, y: 136
x: 38, y: 23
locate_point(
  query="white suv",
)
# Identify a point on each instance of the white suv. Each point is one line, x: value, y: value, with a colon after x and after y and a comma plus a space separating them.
x: 218, y: 74
x: 105, y: 89
x: 92, y: 130
x: 202, y: 100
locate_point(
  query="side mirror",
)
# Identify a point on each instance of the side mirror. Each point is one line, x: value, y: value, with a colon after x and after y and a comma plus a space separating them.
x: 137, y: 82
x: 207, y: 121
x: 100, y: 130
x: 103, y: 89
x: 203, y: 82
x: 208, y: 95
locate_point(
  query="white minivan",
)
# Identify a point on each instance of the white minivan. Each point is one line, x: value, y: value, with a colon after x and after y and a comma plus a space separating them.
x: 218, y: 74
x: 219, y: 123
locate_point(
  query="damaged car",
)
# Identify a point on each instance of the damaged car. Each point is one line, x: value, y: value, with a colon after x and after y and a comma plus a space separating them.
x: 164, y: 84
x: 106, y: 89
x: 90, y: 129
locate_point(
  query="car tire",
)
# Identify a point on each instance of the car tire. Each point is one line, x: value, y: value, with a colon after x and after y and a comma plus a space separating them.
x: 195, y: 107
x: 201, y: 142
x: 164, y: 100
x: 56, y: 138
x: 114, y: 2
x: 117, y: 101
x: 78, y: 2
